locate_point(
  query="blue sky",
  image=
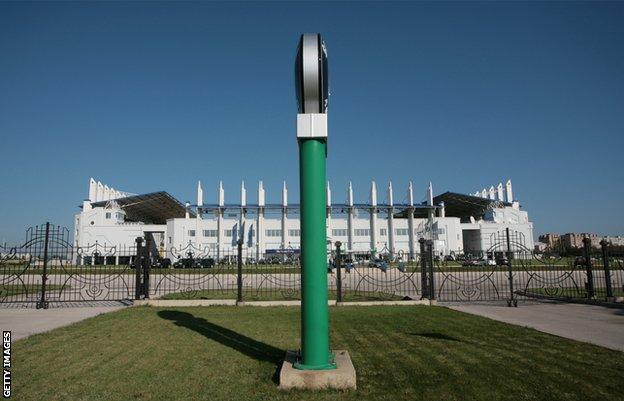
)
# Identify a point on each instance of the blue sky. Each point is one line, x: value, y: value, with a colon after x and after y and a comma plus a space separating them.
x: 154, y: 96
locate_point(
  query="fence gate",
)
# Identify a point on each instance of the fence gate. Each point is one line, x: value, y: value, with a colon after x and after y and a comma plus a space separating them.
x: 47, y: 268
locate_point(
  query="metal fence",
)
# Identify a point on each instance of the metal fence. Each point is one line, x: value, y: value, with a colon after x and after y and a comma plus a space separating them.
x: 47, y: 268
x: 509, y: 271
x: 43, y: 270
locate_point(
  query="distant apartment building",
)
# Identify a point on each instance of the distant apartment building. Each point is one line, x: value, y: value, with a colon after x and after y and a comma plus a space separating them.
x: 550, y: 240
x: 575, y: 240
x: 615, y: 240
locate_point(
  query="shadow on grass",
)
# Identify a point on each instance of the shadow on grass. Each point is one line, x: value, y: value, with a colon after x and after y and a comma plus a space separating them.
x: 243, y: 344
x: 436, y: 336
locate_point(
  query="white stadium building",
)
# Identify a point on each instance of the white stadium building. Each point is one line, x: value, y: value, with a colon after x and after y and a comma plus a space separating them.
x: 456, y: 223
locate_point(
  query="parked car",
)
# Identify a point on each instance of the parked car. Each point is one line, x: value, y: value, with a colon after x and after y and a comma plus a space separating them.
x: 161, y: 263
x: 206, y: 262
x: 502, y: 261
x: 185, y: 263
x: 579, y: 261
x: 476, y: 262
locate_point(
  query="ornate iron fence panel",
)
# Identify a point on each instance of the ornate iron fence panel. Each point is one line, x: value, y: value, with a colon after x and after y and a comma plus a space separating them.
x: 274, y: 277
x: 510, y: 271
x: 48, y: 268
x: 21, y: 268
x: 195, y: 273
x: 616, y: 274
x: 202, y: 272
x: 379, y: 278
x: 549, y: 275
x: 482, y: 276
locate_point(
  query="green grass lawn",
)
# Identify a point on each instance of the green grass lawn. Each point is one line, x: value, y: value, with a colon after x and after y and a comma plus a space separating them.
x: 227, y: 353
x: 277, y: 295
x: 7, y: 290
x: 411, y: 267
x: 125, y: 269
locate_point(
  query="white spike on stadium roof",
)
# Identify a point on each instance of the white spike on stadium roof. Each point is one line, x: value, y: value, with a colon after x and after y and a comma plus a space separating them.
x: 200, y: 194
x: 284, y: 195
x: 350, y: 194
x: 373, y: 194
x: 221, y: 195
x: 328, y: 195
x: 99, y: 192
x: 261, y: 195
x: 243, y: 194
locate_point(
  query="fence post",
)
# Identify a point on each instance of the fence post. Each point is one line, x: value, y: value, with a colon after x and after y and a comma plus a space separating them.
x: 239, y: 279
x: 138, y: 266
x: 588, y: 267
x: 338, y: 263
x: 44, y: 276
x: 607, y: 271
x: 423, y: 270
x: 147, y: 265
x: 430, y: 259
x: 510, y: 270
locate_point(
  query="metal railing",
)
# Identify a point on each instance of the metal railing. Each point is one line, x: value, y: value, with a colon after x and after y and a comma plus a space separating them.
x: 47, y: 268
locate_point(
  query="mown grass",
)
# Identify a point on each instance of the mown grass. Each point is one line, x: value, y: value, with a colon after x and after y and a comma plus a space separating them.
x: 278, y: 295
x: 7, y: 290
x: 226, y: 353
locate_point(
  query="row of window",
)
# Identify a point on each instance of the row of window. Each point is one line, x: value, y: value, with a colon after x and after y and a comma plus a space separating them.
x: 336, y: 232
x: 229, y: 233
x: 365, y: 232
x: 118, y: 216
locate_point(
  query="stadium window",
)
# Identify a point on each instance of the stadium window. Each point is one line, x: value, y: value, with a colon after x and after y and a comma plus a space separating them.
x: 273, y: 233
x: 362, y: 232
x: 191, y: 233
x: 401, y: 231
x: 108, y: 215
x: 228, y: 233
x: 339, y: 232
x: 210, y: 233
x: 294, y: 233
x: 383, y: 232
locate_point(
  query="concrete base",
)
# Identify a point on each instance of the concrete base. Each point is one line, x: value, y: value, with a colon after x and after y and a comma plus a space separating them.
x: 342, y: 378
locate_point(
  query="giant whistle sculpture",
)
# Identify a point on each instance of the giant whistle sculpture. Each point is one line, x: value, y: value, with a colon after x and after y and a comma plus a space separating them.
x: 311, y: 83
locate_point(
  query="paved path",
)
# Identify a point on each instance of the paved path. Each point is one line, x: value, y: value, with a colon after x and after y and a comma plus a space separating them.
x: 23, y: 322
x: 588, y: 323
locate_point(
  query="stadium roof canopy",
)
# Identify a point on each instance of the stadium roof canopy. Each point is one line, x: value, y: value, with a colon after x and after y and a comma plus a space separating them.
x: 460, y: 205
x: 152, y: 208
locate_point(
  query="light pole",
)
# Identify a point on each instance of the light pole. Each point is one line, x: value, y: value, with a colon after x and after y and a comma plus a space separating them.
x: 311, y: 83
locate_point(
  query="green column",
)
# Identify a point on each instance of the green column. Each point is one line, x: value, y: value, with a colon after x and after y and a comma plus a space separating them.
x: 315, y: 353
